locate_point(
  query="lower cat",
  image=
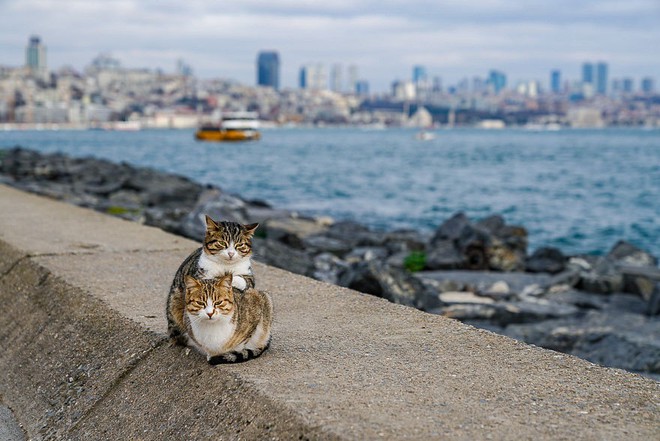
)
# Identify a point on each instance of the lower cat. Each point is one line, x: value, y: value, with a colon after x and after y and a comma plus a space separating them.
x: 225, y: 324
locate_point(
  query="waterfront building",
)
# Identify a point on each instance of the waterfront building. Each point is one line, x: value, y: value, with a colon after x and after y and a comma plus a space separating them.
x: 35, y: 57
x: 268, y: 69
x: 601, y: 78
x: 555, y: 81
x: 403, y: 90
x: 313, y: 77
x: 648, y: 85
x: 497, y: 81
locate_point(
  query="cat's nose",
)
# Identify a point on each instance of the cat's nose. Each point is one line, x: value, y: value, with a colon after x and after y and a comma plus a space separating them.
x: 210, y: 314
x: 231, y: 254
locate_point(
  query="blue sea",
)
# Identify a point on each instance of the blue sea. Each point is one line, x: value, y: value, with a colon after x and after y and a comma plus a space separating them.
x: 578, y: 190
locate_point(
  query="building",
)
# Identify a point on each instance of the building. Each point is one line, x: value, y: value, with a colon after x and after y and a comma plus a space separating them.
x: 268, y: 69
x: 313, y: 77
x: 35, y: 57
x: 352, y: 78
x: 628, y: 85
x: 336, y: 78
x: 601, y: 78
x: 362, y: 88
x: 497, y: 81
x: 419, y: 75
x: 648, y: 85
x: 555, y: 81
x: 588, y: 73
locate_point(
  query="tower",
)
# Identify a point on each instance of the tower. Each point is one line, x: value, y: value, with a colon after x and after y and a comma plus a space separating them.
x: 601, y: 78
x: 555, y: 81
x: 268, y: 69
x: 588, y: 73
x: 35, y: 56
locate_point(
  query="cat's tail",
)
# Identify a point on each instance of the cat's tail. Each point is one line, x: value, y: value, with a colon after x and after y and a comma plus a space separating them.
x: 238, y: 356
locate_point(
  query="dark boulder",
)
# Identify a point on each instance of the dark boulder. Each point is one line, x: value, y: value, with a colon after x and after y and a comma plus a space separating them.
x: 546, y: 260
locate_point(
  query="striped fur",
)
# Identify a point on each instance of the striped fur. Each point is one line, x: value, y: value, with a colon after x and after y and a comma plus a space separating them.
x: 227, y: 249
x: 223, y: 323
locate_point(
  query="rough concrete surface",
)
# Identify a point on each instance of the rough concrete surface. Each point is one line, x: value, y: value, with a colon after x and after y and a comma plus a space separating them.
x: 85, y: 356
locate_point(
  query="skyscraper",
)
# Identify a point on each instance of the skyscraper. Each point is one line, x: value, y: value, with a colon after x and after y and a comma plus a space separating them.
x: 313, y: 76
x: 336, y: 78
x: 601, y: 78
x: 268, y: 69
x: 588, y: 73
x: 419, y: 75
x: 555, y: 81
x: 648, y: 85
x: 35, y: 56
x: 497, y: 80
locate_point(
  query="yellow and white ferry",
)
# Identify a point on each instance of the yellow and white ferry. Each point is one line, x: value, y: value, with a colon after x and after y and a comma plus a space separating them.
x: 234, y: 126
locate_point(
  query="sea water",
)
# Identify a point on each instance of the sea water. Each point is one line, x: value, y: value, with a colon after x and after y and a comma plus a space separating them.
x: 578, y: 190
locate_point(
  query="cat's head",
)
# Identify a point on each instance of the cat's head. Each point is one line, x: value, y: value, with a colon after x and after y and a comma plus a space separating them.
x: 209, y: 299
x: 228, y: 241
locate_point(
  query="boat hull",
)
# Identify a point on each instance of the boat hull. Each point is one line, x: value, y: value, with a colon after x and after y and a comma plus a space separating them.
x: 227, y: 135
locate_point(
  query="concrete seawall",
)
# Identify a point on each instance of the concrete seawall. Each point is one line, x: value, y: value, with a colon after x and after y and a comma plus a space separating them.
x: 85, y: 355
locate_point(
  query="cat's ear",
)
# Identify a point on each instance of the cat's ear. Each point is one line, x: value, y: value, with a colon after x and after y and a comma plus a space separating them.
x: 191, y: 282
x: 211, y: 225
x: 250, y: 229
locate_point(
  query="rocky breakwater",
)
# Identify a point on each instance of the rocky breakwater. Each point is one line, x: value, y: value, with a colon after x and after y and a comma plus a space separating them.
x: 601, y: 308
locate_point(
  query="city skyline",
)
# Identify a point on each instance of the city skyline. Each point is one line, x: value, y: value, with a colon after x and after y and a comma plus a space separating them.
x: 383, y: 39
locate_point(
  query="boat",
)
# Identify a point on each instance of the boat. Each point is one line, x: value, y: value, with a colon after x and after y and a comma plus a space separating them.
x: 424, y: 135
x: 234, y: 126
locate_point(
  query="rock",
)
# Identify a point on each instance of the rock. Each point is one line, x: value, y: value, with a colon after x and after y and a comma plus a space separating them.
x: 546, y: 260
x: 328, y: 267
x: 354, y: 234
x: 450, y: 229
x: 394, y: 284
x: 292, y: 231
x: 483, y: 281
x: 488, y: 244
x: 599, y: 275
x: 320, y: 243
x: 580, y: 299
x: 623, y: 340
x: 277, y: 254
x: 444, y: 256
x: 459, y: 297
x: 625, y: 253
x: 653, y: 306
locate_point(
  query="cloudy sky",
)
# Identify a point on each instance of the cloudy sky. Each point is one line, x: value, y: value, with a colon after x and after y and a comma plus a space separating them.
x: 384, y: 38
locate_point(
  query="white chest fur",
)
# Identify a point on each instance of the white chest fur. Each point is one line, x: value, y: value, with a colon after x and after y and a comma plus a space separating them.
x: 215, y: 266
x: 212, y: 335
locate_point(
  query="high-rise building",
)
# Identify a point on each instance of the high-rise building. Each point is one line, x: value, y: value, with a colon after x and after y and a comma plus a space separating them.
x: 627, y: 85
x: 35, y: 56
x: 336, y: 78
x: 648, y: 85
x: 268, y: 69
x: 313, y: 76
x: 601, y: 78
x: 497, y: 80
x: 588, y: 73
x: 362, y: 88
x: 419, y: 74
x: 555, y: 81
x: 352, y: 78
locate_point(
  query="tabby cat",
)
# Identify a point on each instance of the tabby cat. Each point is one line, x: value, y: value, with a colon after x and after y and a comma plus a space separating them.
x: 224, y: 323
x: 227, y: 249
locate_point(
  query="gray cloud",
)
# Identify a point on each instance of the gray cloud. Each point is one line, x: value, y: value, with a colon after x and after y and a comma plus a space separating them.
x: 525, y: 38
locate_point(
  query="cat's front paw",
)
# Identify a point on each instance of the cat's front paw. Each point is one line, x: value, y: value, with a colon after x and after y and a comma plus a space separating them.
x: 239, y: 283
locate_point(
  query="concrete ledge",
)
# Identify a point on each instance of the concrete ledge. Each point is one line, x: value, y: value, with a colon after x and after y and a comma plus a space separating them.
x: 84, y: 355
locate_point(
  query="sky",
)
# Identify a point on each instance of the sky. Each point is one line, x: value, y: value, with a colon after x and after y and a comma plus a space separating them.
x: 453, y: 39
